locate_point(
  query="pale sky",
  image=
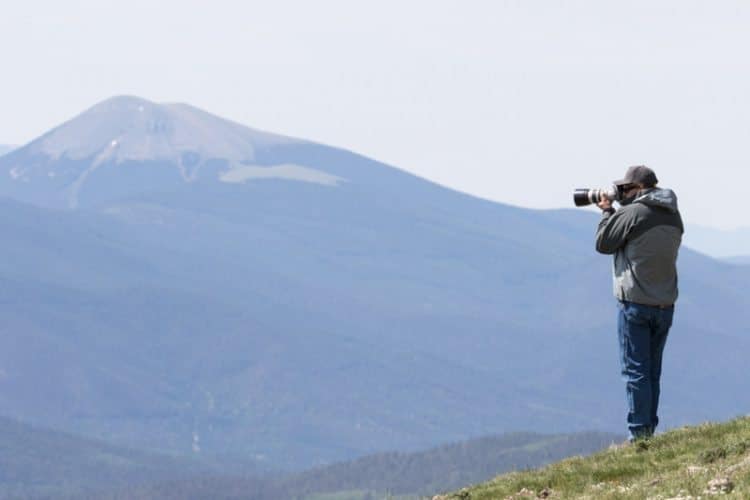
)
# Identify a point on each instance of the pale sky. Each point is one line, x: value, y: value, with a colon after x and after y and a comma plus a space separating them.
x: 515, y: 101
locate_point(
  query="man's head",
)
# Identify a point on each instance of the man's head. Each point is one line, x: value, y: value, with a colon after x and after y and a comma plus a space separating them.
x: 638, y: 175
x: 636, y: 178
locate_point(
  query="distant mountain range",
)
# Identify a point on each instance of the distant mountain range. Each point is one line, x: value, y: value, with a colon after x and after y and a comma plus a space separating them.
x: 39, y: 463
x: 4, y: 148
x: 175, y: 281
x: 719, y: 243
x: 426, y: 473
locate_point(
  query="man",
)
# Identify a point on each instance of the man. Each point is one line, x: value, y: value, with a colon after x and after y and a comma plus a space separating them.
x: 644, y: 235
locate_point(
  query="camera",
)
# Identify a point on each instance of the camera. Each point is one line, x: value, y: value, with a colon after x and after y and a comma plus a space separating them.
x: 585, y: 196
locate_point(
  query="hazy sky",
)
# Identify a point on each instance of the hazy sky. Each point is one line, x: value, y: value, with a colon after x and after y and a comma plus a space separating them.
x: 516, y: 101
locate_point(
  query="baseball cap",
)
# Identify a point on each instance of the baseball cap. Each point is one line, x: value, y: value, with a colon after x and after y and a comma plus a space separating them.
x: 638, y: 174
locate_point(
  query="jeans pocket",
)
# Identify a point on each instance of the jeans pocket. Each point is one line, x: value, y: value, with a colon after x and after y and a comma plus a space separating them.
x: 635, y: 313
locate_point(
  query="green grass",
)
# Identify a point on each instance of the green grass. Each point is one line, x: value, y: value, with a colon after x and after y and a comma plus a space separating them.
x: 359, y: 495
x: 676, y: 464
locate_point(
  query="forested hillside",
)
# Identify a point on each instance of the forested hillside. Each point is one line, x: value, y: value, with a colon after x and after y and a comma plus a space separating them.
x: 44, y: 463
x: 396, y: 475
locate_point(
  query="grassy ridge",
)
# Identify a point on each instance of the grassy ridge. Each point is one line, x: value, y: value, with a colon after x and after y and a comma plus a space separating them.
x: 685, y: 463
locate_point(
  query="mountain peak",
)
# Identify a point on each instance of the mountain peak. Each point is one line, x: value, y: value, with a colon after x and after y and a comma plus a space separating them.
x: 123, y: 101
x: 130, y: 130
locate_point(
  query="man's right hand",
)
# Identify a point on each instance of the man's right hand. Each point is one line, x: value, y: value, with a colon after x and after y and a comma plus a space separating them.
x: 605, y: 204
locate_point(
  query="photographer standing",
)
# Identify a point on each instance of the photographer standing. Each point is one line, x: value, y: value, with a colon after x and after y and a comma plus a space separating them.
x: 644, y: 235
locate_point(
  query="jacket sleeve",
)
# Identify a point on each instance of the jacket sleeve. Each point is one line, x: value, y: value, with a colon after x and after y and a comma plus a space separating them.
x: 613, y: 231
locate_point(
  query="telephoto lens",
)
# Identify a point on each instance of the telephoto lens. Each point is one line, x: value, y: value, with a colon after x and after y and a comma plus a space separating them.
x: 586, y: 196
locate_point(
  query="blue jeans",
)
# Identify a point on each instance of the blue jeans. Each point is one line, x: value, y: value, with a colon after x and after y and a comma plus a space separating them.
x: 642, y: 332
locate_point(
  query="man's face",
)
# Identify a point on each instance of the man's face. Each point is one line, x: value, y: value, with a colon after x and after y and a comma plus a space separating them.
x: 631, y: 191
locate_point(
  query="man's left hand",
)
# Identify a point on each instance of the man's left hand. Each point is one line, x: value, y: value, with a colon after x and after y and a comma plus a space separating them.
x: 605, y: 204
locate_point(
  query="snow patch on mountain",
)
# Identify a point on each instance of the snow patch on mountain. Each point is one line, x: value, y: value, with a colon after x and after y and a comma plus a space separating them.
x: 240, y: 174
x: 100, y: 160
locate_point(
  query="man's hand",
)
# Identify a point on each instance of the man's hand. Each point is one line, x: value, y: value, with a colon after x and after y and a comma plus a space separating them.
x: 605, y: 204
